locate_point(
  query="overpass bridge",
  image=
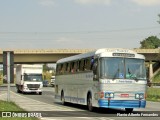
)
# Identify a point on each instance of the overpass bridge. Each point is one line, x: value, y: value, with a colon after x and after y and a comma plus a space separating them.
x: 42, y: 55
x: 28, y: 56
x: 52, y: 55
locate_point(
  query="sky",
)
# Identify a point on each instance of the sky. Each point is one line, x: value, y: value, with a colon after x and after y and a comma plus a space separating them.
x: 77, y: 24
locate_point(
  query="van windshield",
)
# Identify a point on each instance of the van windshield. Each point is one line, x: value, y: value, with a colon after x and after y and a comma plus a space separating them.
x: 33, y: 77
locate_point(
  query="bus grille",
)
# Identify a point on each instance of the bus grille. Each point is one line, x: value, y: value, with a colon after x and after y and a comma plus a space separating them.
x: 33, y: 85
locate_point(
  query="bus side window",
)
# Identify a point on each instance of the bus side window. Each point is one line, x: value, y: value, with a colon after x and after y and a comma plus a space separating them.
x: 61, y: 69
x: 58, y: 69
x: 68, y: 68
x: 72, y: 70
x: 88, y: 64
x: 82, y: 65
x: 77, y: 66
x: 91, y: 63
x: 64, y: 68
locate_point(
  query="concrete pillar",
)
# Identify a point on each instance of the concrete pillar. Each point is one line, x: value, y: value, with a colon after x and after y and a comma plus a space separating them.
x: 150, y: 70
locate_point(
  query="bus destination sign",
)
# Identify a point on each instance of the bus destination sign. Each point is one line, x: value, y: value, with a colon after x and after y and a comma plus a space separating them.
x: 123, y: 55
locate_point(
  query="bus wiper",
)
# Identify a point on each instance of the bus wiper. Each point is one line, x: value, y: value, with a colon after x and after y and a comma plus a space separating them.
x: 129, y: 72
x: 134, y: 77
x: 115, y: 76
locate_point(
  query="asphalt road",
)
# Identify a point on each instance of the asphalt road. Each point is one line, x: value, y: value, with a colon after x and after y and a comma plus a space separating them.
x: 99, y: 114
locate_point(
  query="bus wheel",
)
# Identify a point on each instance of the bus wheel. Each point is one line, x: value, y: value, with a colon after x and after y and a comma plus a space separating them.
x: 62, y: 98
x: 89, y: 103
x: 129, y: 110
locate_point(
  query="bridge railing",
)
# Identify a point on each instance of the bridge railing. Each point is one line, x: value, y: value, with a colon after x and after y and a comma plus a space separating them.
x: 153, y: 84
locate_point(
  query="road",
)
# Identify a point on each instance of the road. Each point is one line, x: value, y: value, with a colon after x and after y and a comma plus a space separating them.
x: 79, y: 111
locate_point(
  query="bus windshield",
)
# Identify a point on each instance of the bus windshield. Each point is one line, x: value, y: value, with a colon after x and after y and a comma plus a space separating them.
x: 33, y: 77
x: 122, y: 68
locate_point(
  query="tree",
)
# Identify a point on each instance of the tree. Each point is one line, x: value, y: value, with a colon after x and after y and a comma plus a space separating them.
x: 45, y: 68
x: 159, y: 18
x: 48, y: 72
x: 151, y: 42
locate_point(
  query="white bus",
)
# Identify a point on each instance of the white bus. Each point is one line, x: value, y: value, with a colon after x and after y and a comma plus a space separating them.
x: 108, y: 78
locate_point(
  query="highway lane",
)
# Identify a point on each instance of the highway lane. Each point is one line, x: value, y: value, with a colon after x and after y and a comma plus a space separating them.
x: 48, y: 97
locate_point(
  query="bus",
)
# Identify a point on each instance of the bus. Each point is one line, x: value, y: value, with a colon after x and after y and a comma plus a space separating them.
x: 104, y: 78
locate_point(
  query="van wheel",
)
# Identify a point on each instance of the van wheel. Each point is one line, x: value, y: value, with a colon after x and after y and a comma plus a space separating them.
x: 89, y: 103
x: 40, y: 93
x: 62, y: 98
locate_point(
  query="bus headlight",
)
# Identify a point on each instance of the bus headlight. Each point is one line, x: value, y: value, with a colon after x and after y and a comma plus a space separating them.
x: 139, y: 96
x: 112, y: 95
x: 109, y: 95
x: 136, y: 96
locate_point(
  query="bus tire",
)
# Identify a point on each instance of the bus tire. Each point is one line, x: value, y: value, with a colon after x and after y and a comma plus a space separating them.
x: 62, y: 98
x: 89, y: 102
x: 129, y: 110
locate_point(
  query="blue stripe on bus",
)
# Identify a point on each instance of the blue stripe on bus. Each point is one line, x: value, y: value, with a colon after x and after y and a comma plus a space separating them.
x: 71, y: 99
x: 122, y: 103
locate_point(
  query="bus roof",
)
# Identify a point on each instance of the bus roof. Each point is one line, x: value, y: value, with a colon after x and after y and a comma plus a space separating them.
x: 76, y: 57
x: 96, y: 52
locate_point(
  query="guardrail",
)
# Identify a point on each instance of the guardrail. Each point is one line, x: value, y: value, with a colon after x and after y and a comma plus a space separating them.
x: 153, y: 84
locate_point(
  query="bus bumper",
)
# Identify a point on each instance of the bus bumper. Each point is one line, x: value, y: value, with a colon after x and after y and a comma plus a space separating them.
x: 122, y: 103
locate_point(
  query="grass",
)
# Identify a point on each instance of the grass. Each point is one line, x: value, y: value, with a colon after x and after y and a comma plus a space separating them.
x: 156, y: 78
x: 10, y: 106
x: 153, y: 94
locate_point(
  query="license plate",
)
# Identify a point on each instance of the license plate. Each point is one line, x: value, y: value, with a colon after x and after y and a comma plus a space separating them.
x: 124, y: 95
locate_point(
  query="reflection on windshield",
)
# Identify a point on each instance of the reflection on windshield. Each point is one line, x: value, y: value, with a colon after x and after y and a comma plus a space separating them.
x: 121, y: 68
x: 32, y: 77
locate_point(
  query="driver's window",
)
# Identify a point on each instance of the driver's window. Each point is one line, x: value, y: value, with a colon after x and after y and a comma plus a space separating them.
x: 95, y: 69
